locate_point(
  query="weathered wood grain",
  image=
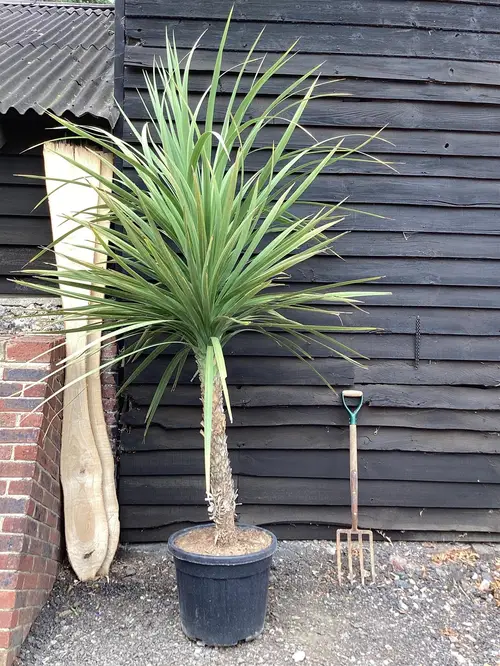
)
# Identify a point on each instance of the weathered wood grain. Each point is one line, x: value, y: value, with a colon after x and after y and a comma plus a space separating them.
x: 16, y: 257
x: 434, y: 295
x: 436, y: 419
x: 189, y: 490
x: 382, y: 518
x: 447, y: 16
x: 359, y: 88
x: 398, y: 141
x: 338, y: 65
x: 22, y: 200
x: 255, y: 490
x: 317, y: 438
x: 373, y: 465
x: 462, y: 373
x: 379, y: 346
x: 313, y: 531
x: 425, y: 245
x: 395, y: 189
x: 27, y: 231
x: 350, y: 113
x: 445, y: 272
x: 417, y: 219
x: 11, y: 166
x: 435, y: 321
x: 280, y: 370
x: 9, y: 287
x: 333, y: 38
x: 427, y: 296
x: 404, y: 165
x: 375, y: 395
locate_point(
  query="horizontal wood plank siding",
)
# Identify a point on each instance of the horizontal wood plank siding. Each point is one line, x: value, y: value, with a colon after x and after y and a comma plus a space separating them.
x: 23, y: 228
x: 429, y: 434
x: 24, y: 214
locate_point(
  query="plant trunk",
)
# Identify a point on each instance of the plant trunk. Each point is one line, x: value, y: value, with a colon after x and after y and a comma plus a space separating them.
x: 222, y: 496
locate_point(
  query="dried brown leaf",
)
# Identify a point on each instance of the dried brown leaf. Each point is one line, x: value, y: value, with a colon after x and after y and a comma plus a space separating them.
x: 462, y: 555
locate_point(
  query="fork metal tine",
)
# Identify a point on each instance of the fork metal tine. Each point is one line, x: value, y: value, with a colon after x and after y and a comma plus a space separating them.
x: 339, y: 559
x: 372, y: 555
x: 355, y: 538
x: 349, y: 556
x: 361, y: 561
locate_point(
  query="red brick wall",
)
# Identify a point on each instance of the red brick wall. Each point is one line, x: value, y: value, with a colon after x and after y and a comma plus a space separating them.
x: 30, y: 495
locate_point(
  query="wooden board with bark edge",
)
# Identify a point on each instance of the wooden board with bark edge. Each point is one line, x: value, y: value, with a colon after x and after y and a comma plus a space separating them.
x: 86, y: 527
x: 99, y: 428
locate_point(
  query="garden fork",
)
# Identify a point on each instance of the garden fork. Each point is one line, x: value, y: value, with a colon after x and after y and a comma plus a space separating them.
x: 354, y: 531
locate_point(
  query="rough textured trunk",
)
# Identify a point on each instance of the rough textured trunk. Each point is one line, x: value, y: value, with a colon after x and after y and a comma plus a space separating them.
x: 222, y: 496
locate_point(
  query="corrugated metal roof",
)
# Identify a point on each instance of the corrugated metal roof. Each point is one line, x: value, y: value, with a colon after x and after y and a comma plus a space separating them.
x: 57, y: 57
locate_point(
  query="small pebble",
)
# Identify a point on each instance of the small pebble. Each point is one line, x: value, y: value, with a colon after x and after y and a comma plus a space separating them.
x: 485, y: 585
x: 299, y: 656
x: 398, y: 563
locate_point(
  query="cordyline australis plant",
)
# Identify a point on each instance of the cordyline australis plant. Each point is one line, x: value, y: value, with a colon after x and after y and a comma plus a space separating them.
x: 199, y: 251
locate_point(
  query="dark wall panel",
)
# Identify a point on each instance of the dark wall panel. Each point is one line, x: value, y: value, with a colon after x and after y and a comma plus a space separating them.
x: 23, y: 228
x: 429, y: 434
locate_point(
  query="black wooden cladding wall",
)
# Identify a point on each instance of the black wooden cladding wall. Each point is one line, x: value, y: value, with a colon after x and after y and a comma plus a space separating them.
x: 429, y: 435
x: 24, y: 216
x: 22, y: 227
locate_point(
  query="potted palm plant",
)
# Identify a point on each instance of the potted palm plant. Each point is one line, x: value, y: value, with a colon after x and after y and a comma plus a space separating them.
x: 198, y: 253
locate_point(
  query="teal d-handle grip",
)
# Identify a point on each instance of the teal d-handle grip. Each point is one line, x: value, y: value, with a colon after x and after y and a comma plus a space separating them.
x: 353, y: 411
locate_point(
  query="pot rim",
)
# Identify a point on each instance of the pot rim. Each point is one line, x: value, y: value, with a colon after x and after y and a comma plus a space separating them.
x: 224, y: 560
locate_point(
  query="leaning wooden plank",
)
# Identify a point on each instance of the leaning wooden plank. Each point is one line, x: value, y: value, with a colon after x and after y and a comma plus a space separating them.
x: 85, y: 521
x: 99, y: 428
x: 317, y: 438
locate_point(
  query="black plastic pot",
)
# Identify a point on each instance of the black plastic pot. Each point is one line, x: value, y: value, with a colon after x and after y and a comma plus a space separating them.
x: 222, y: 599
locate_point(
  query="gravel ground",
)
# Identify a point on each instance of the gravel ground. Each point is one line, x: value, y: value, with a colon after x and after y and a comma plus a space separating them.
x: 432, y: 605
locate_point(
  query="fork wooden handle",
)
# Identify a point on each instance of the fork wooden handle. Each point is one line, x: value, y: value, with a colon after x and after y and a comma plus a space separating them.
x: 353, y: 473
